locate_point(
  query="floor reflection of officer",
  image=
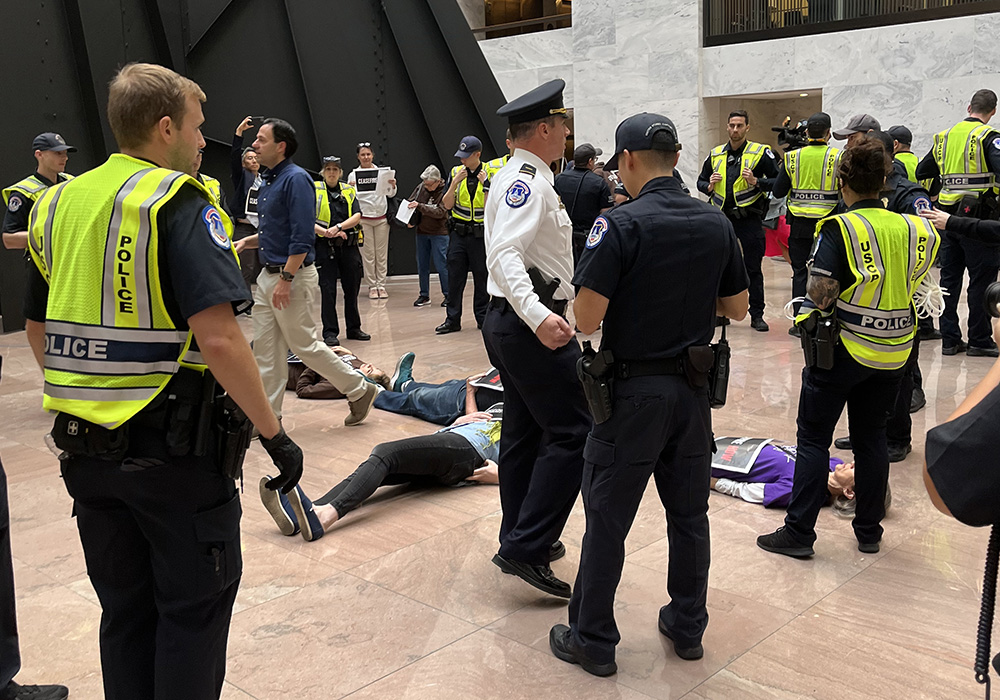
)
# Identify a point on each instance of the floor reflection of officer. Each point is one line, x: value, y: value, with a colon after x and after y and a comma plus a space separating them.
x: 532, y: 345
x: 159, y: 519
x: 966, y: 161
x: 244, y: 171
x: 866, y: 364
x: 584, y: 193
x: 809, y: 179
x: 736, y: 177
x: 338, y: 227
x: 661, y: 424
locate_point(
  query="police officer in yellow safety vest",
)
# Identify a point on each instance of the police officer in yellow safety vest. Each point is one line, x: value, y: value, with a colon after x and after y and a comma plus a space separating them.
x: 52, y: 153
x: 213, y: 186
x: 338, y: 231
x: 866, y: 267
x: 809, y: 179
x: 904, y: 160
x: 131, y: 302
x: 965, y: 160
x: 468, y: 185
x: 736, y: 178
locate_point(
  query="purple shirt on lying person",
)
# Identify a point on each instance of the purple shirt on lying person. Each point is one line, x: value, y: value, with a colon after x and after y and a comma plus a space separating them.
x: 756, y: 473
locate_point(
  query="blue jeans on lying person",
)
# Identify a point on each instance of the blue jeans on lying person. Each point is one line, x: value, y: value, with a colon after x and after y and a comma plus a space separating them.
x: 440, y: 404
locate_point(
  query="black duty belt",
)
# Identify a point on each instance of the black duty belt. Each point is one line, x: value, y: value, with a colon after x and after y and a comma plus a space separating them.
x: 501, y: 304
x: 626, y: 369
x: 276, y: 269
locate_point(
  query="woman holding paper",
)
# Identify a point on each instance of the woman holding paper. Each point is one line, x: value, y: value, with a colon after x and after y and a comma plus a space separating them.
x: 431, y: 222
x: 374, y: 186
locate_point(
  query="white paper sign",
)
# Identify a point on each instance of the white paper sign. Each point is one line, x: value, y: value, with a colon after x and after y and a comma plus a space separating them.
x: 383, y: 188
x: 404, y: 213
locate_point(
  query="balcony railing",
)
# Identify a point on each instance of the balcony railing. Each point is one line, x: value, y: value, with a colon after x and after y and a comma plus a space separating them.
x: 737, y: 21
x: 525, y: 26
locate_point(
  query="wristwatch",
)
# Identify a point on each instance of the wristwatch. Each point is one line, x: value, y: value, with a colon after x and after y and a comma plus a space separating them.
x: 340, y: 228
x: 287, y: 276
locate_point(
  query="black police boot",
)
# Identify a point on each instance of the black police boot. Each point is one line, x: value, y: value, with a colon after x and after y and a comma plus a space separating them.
x: 918, y: 400
x: 541, y: 577
x: 974, y: 351
x: 448, y: 327
x: 14, y: 691
x: 842, y: 443
x: 557, y: 551
x: 358, y: 335
x: 563, y: 648
x: 688, y: 653
x: 929, y: 334
x: 954, y: 349
x: 331, y: 340
x: 795, y: 332
x: 759, y: 324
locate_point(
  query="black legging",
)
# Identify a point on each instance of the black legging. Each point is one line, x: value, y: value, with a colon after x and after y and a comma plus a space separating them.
x: 440, y: 458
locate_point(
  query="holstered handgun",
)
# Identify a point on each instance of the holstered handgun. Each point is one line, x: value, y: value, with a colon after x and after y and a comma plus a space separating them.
x: 595, y: 370
x: 232, y: 431
x: 718, y: 376
x: 544, y: 290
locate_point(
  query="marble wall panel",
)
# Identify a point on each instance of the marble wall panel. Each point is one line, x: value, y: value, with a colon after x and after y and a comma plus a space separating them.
x: 622, y: 81
x: 929, y: 50
x: 508, y: 53
x: 842, y: 58
x: 673, y: 73
x: 594, y: 30
x: 890, y: 103
x: 741, y: 69
x: 474, y: 11
x: 565, y: 72
x: 986, y: 45
x: 644, y: 27
x: 513, y: 82
x: 595, y: 123
x: 685, y: 113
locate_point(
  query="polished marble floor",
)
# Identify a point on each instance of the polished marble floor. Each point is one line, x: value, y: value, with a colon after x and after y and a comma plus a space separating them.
x: 400, y: 600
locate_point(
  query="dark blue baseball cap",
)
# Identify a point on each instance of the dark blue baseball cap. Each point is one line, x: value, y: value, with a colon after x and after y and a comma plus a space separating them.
x: 49, y: 141
x: 644, y: 132
x: 469, y: 145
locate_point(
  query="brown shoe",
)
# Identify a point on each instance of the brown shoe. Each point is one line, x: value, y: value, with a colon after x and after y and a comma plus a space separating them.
x: 363, y: 406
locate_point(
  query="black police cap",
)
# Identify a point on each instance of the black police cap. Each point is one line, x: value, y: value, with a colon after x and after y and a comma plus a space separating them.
x: 820, y: 120
x: 644, y: 132
x: 900, y: 133
x: 544, y: 101
x: 50, y: 141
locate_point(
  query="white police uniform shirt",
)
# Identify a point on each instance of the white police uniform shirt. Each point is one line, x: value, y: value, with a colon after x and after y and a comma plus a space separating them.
x: 527, y: 226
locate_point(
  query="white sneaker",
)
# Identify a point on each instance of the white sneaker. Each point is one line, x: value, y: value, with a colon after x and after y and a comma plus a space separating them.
x: 382, y: 294
x: 373, y: 292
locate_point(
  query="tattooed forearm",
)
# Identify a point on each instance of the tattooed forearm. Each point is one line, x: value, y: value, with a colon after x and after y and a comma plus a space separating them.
x: 823, y: 290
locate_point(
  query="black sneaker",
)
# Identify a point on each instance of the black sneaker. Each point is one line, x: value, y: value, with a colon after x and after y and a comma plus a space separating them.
x: 929, y: 334
x: 973, y: 351
x: 563, y: 648
x: 781, y: 542
x: 897, y: 453
x: 954, y: 349
x: 422, y: 301
x: 14, y: 691
x: 869, y: 547
x: 688, y: 653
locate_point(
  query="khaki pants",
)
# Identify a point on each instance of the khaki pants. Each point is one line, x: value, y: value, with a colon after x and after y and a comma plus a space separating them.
x: 375, y: 251
x: 275, y: 332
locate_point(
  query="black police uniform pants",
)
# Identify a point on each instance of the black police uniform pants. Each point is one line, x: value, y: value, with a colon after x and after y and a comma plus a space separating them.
x: 10, y: 653
x: 439, y: 458
x: 959, y: 254
x: 800, y: 242
x: 343, y: 263
x: 545, y: 424
x: 465, y: 254
x: 750, y: 233
x: 660, y: 427
x: 249, y: 258
x: 162, y: 544
x: 899, y: 426
x: 869, y: 395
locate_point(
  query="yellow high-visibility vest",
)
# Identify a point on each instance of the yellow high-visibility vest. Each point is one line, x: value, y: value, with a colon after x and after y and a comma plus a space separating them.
x: 743, y: 193
x: 960, y: 154
x: 813, y: 172
x: 466, y: 208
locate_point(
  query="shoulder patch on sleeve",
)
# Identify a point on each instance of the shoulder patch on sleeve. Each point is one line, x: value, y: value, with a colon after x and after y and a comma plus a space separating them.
x: 921, y: 204
x: 596, y: 234
x: 15, y: 202
x: 529, y: 169
x: 767, y: 152
x: 517, y: 194
x: 213, y: 222
x: 996, y: 143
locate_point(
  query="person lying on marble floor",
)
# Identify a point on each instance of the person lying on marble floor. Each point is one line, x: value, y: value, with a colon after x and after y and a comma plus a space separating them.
x: 463, y: 452
x: 440, y: 404
x: 760, y: 470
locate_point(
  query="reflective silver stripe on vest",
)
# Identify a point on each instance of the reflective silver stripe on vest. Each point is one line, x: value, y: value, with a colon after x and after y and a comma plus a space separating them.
x: 115, y: 369
x: 968, y: 181
x: 193, y: 357
x: 142, y: 302
x: 125, y: 335
x: 859, y: 257
x: 879, y: 364
x: 744, y: 195
x: 898, y: 315
x: 47, y: 230
x: 71, y: 393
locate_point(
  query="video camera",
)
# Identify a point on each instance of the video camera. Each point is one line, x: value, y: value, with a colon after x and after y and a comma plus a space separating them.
x: 791, y: 137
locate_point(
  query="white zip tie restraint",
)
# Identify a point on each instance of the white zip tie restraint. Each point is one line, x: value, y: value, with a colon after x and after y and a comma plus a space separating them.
x: 928, y: 298
x: 790, y: 307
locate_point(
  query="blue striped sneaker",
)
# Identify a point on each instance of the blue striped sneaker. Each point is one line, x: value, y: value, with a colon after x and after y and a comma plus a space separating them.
x: 311, y: 528
x: 280, y: 509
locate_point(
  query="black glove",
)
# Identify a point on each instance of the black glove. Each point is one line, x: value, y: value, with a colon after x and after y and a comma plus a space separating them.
x: 287, y: 457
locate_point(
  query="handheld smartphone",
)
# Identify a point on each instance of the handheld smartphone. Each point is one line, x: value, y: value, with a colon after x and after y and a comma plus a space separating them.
x: 257, y: 121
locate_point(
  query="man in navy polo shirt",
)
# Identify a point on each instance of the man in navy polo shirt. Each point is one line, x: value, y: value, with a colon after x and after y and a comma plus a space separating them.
x: 288, y: 282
